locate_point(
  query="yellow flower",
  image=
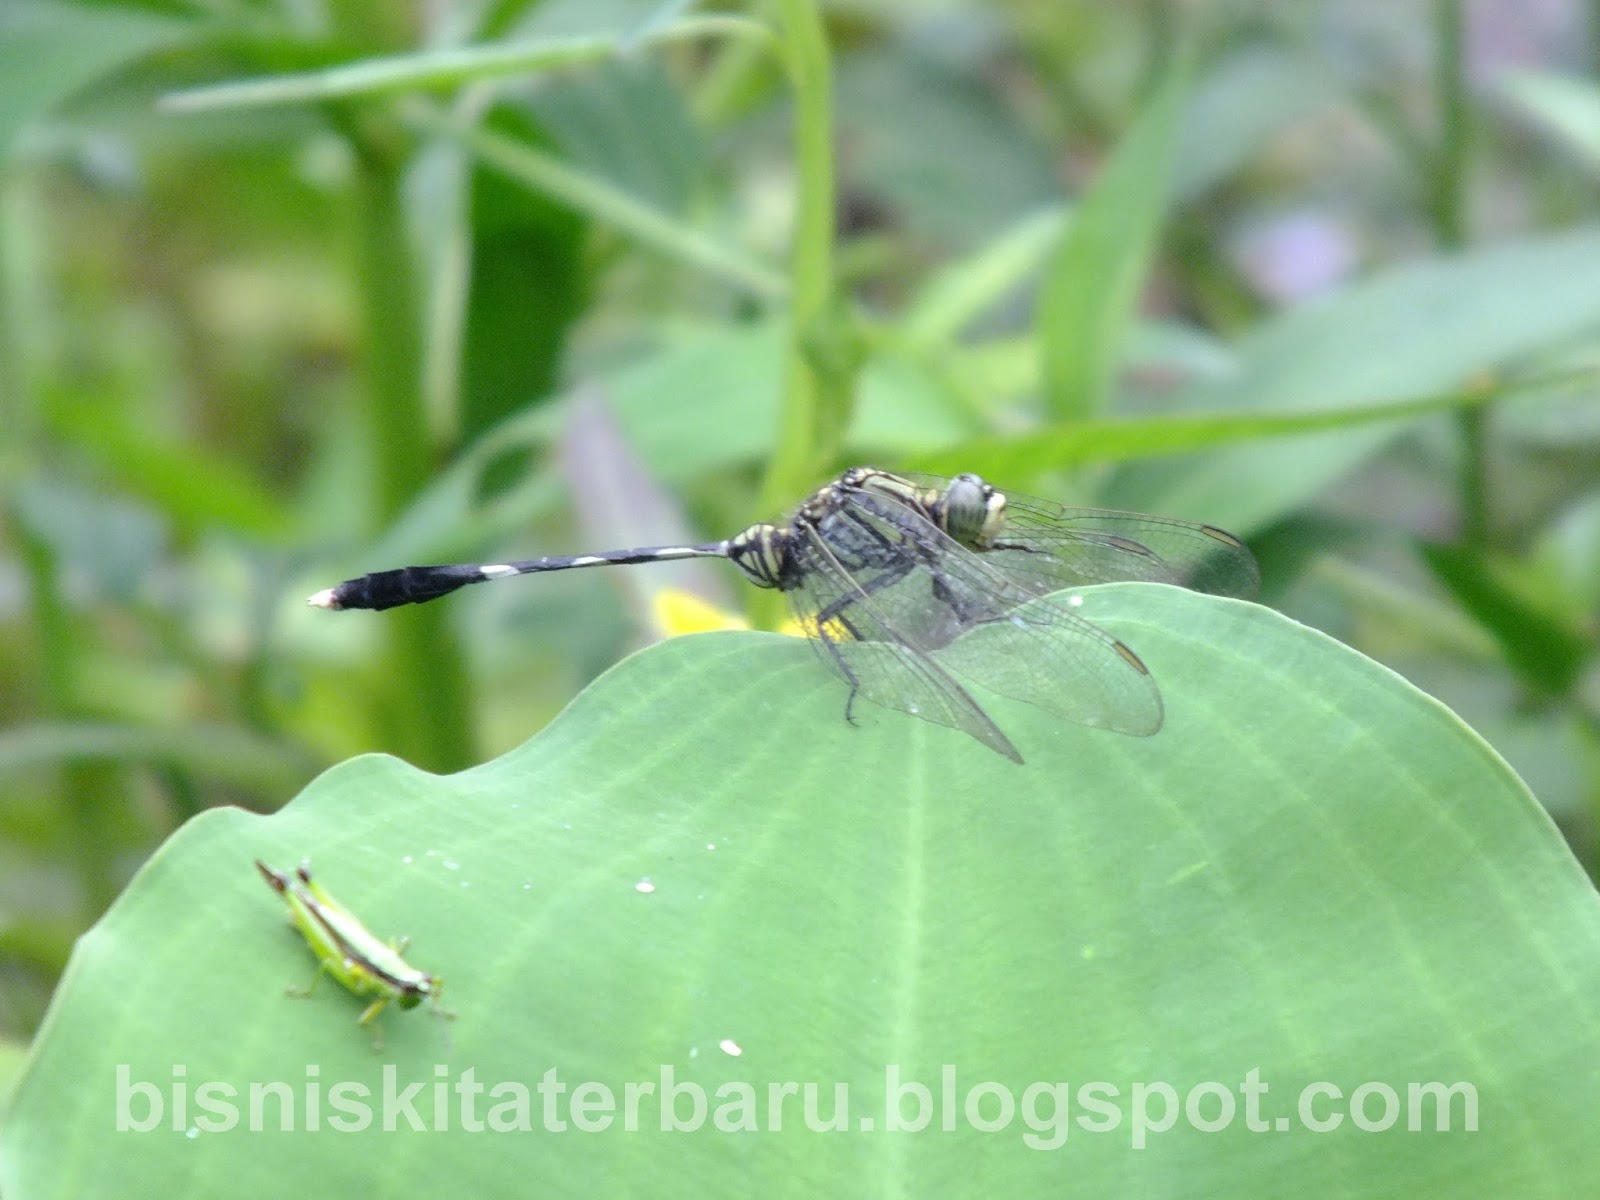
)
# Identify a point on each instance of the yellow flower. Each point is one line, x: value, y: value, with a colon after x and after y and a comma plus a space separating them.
x: 674, y: 611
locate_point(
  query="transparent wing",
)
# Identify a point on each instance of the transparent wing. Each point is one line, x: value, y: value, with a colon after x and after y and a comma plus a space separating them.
x: 885, y: 665
x: 1047, y: 546
x: 993, y: 629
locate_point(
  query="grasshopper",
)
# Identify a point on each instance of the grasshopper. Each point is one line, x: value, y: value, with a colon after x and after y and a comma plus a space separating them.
x: 346, y: 949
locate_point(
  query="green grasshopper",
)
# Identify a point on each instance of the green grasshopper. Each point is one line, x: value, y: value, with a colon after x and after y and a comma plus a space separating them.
x: 347, y: 950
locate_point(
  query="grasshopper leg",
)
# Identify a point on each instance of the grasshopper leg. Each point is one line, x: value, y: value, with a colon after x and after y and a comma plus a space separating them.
x: 303, y: 993
x: 369, y: 1017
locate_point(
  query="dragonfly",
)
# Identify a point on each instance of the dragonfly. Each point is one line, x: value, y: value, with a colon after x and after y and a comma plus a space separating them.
x: 353, y: 955
x: 904, y: 582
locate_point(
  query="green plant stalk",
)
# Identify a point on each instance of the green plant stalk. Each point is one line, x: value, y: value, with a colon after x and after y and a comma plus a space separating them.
x: 1448, y: 192
x: 819, y: 369
x: 90, y: 792
x: 24, y: 316
x: 1473, y: 424
x: 427, y: 724
x: 1448, y: 208
x: 810, y: 429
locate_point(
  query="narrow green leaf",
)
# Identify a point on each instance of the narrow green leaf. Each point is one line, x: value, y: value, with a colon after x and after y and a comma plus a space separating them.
x: 1565, y: 106
x: 1092, y: 291
x: 1002, y: 373
x: 1546, y: 653
x: 442, y: 68
x: 192, y: 485
x: 513, y: 336
x: 962, y: 290
x: 1419, y: 329
x: 1016, y: 456
x: 220, y: 752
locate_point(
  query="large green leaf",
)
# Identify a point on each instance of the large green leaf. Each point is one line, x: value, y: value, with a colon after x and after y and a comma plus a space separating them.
x: 1091, y: 291
x: 1314, y: 872
x: 626, y: 122
x: 49, y: 52
x: 1566, y: 107
x: 1416, y: 330
x: 981, y: 172
x: 1250, y: 95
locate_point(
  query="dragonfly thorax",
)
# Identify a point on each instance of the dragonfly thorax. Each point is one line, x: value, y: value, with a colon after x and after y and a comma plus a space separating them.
x: 968, y: 508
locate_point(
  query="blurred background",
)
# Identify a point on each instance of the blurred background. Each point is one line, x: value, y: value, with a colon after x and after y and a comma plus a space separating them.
x: 251, y: 348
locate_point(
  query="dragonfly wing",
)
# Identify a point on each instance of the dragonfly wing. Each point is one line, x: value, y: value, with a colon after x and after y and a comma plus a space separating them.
x: 990, y: 628
x: 1046, y: 546
x: 1101, y: 545
x: 858, y: 642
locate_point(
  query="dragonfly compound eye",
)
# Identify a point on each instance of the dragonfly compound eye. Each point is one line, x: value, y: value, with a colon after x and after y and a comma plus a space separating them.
x: 972, y: 512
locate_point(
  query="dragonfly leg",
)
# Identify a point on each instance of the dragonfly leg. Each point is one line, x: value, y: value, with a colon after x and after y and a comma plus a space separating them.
x: 855, y: 686
x: 943, y: 594
x: 850, y: 676
x: 887, y: 578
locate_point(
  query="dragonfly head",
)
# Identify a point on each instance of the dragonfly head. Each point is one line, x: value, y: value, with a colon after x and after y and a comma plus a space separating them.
x: 972, y: 511
x: 761, y: 553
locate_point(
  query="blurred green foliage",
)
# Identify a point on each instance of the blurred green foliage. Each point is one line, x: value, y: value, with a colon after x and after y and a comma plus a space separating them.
x: 293, y: 291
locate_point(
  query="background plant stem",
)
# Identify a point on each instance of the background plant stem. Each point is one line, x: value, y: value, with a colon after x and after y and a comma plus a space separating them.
x: 1448, y: 206
x: 425, y: 707
x: 814, y: 393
